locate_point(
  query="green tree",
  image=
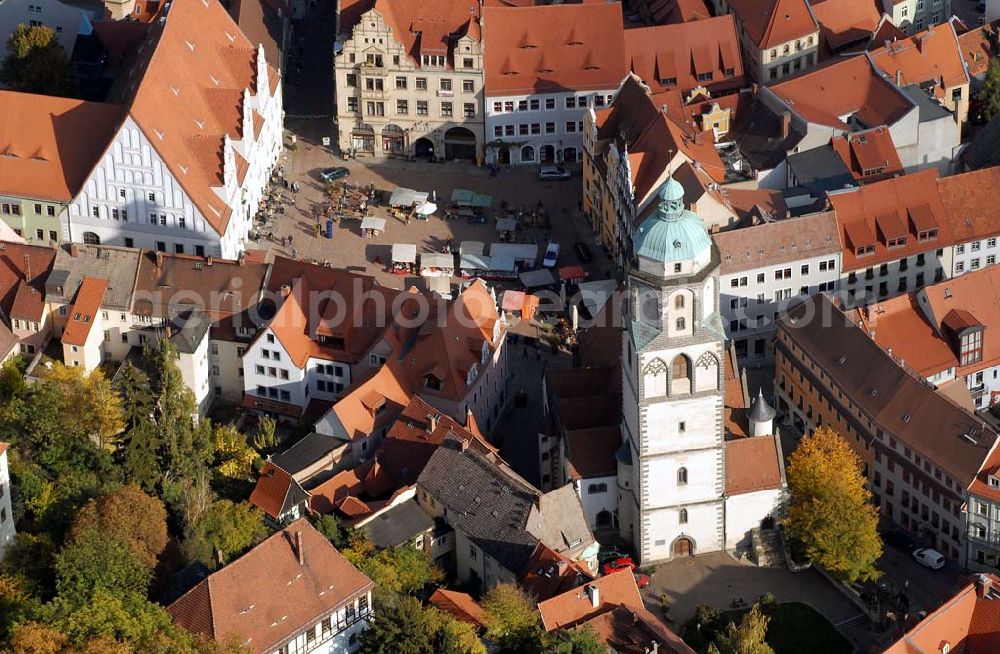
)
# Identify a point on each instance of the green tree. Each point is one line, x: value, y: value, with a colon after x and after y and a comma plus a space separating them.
x: 511, y: 618
x: 575, y: 641
x: 17, y: 604
x: 92, y: 562
x: 745, y: 638
x: 989, y: 94
x: 830, y: 511
x: 457, y: 637
x: 227, y: 528
x: 35, y: 62
x: 129, y: 516
x: 394, y: 570
x: 400, y: 626
x: 330, y: 527
x: 265, y: 439
x: 235, y: 459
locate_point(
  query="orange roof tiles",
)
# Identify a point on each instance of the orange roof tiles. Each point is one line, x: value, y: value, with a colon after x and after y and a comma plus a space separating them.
x: 968, y: 622
x: 773, y: 22
x: 240, y: 599
x: 554, y: 48
x: 858, y: 212
x: 933, y: 55
x: 274, y: 485
x: 48, y: 145
x: 189, y: 97
x: 978, y: 46
x: 970, y: 203
x: 425, y: 26
x: 20, y: 263
x: 617, y: 589
x: 870, y: 155
x: 549, y: 573
x: 460, y: 605
x: 899, y: 325
x: 752, y: 464
x: 685, y: 51
x: 84, y: 310
x: 3, y: 448
x: 844, y: 87
x: 842, y: 22
x: 29, y: 303
x: 663, y: 12
x: 968, y: 300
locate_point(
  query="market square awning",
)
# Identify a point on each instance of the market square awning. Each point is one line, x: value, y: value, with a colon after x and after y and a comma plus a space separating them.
x: 407, y: 197
x: 373, y: 223
x: 404, y: 253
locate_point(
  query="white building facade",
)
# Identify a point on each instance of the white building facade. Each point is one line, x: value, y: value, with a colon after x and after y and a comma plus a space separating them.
x: 539, y: 128
x: 672, y: 482
x: 7, y: 533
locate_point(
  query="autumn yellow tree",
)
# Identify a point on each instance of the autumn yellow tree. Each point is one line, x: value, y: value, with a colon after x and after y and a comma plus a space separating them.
x: 830, y: 511
x: 130, y: 517
x: 88, y: 400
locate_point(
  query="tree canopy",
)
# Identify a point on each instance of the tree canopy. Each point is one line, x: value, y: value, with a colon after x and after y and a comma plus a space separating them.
x: 129, y: 516
x: 745, y: 638
x: 830, y: 511
x: 35, y: 62
x: 227, y: 528
x: 989, y: 94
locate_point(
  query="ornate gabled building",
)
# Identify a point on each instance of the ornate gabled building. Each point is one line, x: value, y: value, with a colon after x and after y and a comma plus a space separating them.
x: 410, y: 81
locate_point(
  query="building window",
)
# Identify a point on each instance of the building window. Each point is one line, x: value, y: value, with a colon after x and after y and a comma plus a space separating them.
x: 445, y: 84
x: 469, y: 109
x: 595, y: 489
x: 682, y: 516
x: 468, y: 86
x: 421, y: 83
x: 401, y: 83
x: 446, y: 109
x: 682, y: 476
x: 468, y: 62
x: 402, y: 107
x: 422, y: 108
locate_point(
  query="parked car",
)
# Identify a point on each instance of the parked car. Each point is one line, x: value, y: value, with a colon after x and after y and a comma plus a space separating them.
x: 331, y: 174
x: 899, y: 540
x: 583, y: 251
x: 621, y: 563
x: 550, y: 172
x: 929, y: 558
x: 551, y: 255
x: 641, y: 579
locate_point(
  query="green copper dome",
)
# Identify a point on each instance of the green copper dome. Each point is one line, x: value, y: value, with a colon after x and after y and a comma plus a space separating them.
x: 672, y: 233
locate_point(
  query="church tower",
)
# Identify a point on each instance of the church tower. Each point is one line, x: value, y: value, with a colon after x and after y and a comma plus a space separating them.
x: 671, y: 475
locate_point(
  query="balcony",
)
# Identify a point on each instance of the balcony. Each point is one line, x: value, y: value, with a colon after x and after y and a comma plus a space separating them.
x: 977, y: 391
x: 374, y: 94
x: 370, y: 69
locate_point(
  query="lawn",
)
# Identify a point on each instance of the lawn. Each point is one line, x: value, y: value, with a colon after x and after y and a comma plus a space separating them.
x: 795, y: 628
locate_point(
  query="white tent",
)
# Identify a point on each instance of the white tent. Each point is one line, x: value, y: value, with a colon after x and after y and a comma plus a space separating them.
x: 537, y: 278
x: 437, y: 260
x: 404, y: 253
x: 406, y: 197
x: 373, y: 223
x: 471, y: 247
x: 426, y: 208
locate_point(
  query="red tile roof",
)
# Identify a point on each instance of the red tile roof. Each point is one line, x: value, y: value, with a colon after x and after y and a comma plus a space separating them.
x: 844, y: 87
x: 591, y: 452
x: 978, y: 46
x: 933, y: 55
x: 868, y: 151
x: 899, y: 325
x: 554, y: 48
x: 84, y: 310
x: 186, y: 117
x: 970, y: 203
x: 241, y: 599
x: 3, y: 448
x: 427, y: 26
x: 663, y: 12
x: 685, y: 51
x: 967, y: 622
x: 48, y: 145
x: 460, y: 605
x: 898, y: 203
x: 549, y: 573
x: 753, y: 464
x: 967, y: 300
x: 773, y: 22
x: 20, y: 262
x: 842, y: 22
x: 273, y: 487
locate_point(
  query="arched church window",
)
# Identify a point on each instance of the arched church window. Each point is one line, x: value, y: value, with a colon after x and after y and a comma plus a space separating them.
x: 680, y: 375
x: 682, y: 476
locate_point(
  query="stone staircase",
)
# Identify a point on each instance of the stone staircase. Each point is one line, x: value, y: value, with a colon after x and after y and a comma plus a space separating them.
x: 767, y: 548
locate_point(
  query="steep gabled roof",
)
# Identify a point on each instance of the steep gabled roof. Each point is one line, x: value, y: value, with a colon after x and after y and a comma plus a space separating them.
x: 242, y: 598
x: 773, y: 22
x: 933, y: 55
x: 84, y: 311
x: 276, y: 491
x: 48, y: 145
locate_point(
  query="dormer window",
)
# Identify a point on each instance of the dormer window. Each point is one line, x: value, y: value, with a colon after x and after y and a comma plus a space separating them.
x: 971, y: 346
x: 864, y: 250
x: 993, y: 481
x: 927, y: 235
x: 432, y: 382
x: 470, y: 377
x: 485, y: 353
x: 896, y: 242
x: 668, y: 81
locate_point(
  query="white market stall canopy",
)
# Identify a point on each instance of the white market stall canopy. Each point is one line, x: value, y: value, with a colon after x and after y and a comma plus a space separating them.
x: 404, y: 253
x: 471, y: 247
x: 520, y: 252
x: 439, y: 285
x: 474, y: 262
x: 537, y: 278
x: 426, y: 208
x: 437, y: 260
x: 506, y: 224
x: 501, y: 264
x: 374, y: 224
x: 407, y: 197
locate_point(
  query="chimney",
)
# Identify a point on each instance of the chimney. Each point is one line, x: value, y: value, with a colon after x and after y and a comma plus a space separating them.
x: 432, y: 423
x: 208, y: 262
x: 298, y: 548
x: 74, y: 250
x: 697, y: 138
x: 27, y: 267
x: 159, y: 259
x: 286, y: 290
x: 242, y: 260
x: 219, y: 561
x: 983, y: 586
x: 594, y: 593
x: 899, y: 78
x: 562, y: 566
x: 786, y: 124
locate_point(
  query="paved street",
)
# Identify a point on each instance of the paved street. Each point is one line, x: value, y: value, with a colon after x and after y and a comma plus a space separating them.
x: 926, y: 589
